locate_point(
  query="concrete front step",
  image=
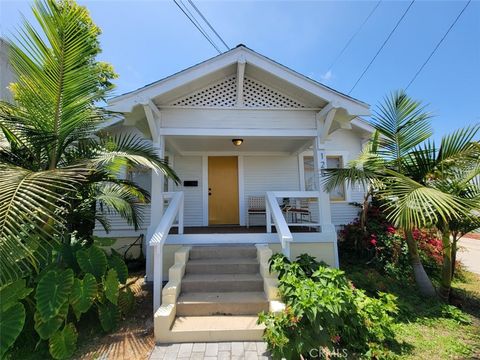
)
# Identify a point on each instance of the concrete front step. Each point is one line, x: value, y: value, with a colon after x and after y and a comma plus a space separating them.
x: 222, y: 266
x: 221, y: 303
x: 223, y: 252
x: 216, y: 328
x: 221, y: 283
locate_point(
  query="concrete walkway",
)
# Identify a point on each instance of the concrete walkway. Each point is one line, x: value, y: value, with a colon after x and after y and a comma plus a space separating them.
x: 469, y: 254
x: 211, y: 351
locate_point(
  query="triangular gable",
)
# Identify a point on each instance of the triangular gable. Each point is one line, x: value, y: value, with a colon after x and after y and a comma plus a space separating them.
x: 256, y: 92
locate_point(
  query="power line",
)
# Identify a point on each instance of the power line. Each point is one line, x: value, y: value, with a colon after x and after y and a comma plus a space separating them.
x: 438, y: 44
x: 197, y: 25
x: 383, y: 45
x: 353, y: 36
x: 208, y: 23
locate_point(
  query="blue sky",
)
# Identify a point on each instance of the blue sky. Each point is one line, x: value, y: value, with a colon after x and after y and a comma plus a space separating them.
x: 148, y: 40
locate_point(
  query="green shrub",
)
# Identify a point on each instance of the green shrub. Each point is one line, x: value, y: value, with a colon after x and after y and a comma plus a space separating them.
x: 384, y: 247
x: 325, y: 313
x: 85, y: 279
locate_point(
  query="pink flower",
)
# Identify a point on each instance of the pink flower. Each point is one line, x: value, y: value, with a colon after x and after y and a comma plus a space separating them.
x: 373, y: 242
x: 336, y: 339
x: 391, y: 230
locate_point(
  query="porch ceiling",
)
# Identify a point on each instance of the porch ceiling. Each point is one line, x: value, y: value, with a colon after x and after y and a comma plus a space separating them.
x: 184, y: 145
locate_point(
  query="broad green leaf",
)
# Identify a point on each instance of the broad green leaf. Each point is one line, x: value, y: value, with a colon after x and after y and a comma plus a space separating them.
x: 117, y: 263
x: 63, y: 343
x: 92, y: 261
x: 46, y: 329
x: 53, y: 291
x: 110, y: 286
x: 10, y: 294
x: 126, y: 301
x: 109, y: 316
x: 12, y: 320
x: 83, y: 293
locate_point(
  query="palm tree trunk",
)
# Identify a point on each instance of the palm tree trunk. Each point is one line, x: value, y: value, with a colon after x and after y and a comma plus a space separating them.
x: 446, y: 281
x: 424, y: 283
x: 455, y: 238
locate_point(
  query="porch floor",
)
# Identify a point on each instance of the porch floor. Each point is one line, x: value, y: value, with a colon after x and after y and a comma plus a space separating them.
x: 235, y: 229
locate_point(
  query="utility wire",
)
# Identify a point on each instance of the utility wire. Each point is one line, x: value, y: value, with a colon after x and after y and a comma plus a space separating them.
x: 208, y: 23
x: 353, y: 36
x: 438, y: 44
x: 197, y: 25
x: 383, y: 45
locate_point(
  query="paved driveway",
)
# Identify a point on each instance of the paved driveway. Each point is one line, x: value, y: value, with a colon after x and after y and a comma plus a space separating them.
x: 469, y: 254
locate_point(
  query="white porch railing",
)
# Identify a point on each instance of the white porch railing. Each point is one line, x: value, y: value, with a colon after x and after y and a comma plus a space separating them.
x: 173, y: 210
x: 274, y: 212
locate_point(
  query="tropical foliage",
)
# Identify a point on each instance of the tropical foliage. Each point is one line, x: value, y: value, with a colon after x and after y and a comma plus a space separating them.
x: 384, y: 248
x: 58, y: 297
x: 59, y: 172
x: 325, y: 314
x: 415, y: 179
x: 57, y: 168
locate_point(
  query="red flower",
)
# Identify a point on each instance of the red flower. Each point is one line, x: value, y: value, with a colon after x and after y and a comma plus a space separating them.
x: 336, y: 339
x: 373, y: 242
x: 391, y: 230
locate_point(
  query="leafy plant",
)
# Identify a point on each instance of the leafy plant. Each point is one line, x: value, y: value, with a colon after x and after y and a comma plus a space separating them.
x: 12, y: 313
x: 59, y: 292
x: 325, y: 311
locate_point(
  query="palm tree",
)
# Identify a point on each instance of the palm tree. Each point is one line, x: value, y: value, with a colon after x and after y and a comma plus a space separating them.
x: 401, y: 124
x: 56, y: 165
x: 447, y: 179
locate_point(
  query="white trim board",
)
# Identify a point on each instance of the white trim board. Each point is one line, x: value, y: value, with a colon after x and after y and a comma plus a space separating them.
x: 251, y: 238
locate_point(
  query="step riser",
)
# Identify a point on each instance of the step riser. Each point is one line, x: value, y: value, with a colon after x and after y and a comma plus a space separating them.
x: 222, y: 286
x: 213, y: 336
x: 221, y: 268
x: 220, y: 253
x: 211, y: 309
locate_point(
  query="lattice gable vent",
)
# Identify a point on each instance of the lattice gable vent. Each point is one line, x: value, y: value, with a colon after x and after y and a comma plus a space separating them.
x: 222, y: 93
x: 256, y: 94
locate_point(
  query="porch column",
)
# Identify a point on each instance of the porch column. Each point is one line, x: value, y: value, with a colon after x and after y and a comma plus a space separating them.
x: 324, y: 212
x: 320, y: 163
x: 156, y: 206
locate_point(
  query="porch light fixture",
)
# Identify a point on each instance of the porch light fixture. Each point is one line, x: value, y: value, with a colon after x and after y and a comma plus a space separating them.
x: 237, y: 142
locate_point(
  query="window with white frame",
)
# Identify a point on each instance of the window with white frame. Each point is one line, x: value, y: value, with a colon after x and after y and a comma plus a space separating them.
x: 333, y: 162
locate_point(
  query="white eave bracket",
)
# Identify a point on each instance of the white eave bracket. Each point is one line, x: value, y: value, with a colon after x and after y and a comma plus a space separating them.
x: 154, y: 118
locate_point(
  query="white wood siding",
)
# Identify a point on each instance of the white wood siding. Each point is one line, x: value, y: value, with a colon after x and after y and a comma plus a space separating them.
x: 243, y: 119
x: 190, y: 168
x: 269, y: 173
x: 350, y: 143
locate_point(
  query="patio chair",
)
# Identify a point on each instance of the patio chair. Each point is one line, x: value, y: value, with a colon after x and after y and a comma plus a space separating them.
x: 256, y: 206
x: 299, y: 211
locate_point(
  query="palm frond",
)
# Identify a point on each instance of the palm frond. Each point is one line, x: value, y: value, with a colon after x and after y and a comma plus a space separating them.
x: 410, y: 204
x: 128, y: 150
x: 56, y: 87
x: 460, y: 146
x: 122, y: 198
x: 32, y: 204
x: 403, y: 124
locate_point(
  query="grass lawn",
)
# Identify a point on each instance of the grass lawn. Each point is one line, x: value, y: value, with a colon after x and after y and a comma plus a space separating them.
x: 425, y: 329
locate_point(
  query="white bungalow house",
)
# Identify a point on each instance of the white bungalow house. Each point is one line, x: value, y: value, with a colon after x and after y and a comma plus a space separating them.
x: 248, y: 138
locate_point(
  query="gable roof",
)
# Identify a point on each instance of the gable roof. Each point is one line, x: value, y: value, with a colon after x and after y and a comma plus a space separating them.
x: 241, y: 53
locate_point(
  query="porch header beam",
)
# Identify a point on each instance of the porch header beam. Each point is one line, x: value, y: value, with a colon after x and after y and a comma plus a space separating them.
x: 239, y: 132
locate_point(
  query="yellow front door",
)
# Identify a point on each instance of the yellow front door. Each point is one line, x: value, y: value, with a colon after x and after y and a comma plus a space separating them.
x: 223, y: 190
